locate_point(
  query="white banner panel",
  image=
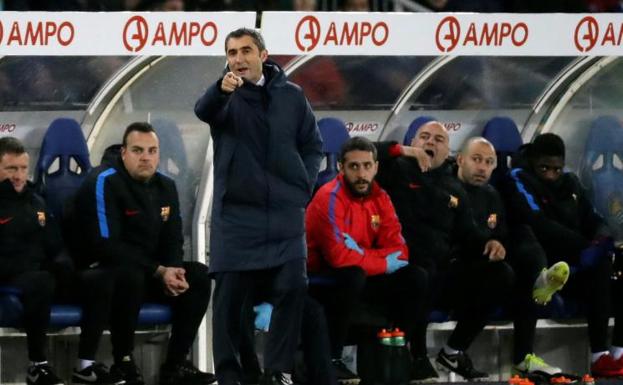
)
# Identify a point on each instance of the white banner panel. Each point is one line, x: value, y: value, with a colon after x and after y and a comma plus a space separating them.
x: 335, y: 33
x: 433, y: 34
x: 118, y: 33
x: 320, y: 33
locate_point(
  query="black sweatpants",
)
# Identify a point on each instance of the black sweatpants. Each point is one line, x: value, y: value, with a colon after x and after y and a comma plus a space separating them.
x: 37, y: 291
x: 288, y: 283
x: 113, y: 296
x: 471, y: 288
x: 401, y: 296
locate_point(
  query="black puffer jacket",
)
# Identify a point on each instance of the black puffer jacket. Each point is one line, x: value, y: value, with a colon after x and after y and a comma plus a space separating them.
x: 267, y: 152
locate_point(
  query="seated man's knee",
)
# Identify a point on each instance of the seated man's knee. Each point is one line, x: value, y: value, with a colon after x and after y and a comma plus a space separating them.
x: 197, y: 276
x: 43, y: 284
x: 129, y: 278
x: 351, y: 277
x: 417, y: 278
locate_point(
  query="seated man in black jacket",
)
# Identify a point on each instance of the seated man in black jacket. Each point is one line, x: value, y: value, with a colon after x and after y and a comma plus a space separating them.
x: 130, y: 220
x: 565, y: 227
x: 464, y: 259
x: 29, y: 240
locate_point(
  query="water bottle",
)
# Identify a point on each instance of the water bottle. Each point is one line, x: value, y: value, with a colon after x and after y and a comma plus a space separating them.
x: 385, y: 349
x: 401, y: 358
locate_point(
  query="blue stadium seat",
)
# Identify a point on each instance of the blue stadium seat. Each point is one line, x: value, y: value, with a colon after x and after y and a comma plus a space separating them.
x: 10, y: 306
x: 334, y: 133
x: 413, y: 127
x: 63, y: 145
x: 602, y: 169
x: 503, y: 133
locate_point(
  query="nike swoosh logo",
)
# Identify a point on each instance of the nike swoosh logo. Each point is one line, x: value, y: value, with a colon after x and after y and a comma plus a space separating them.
x: 414, y: 185
x: 4, y: 221
x: 452, y: 364
x: 131, y: 213
x: 91, y: 377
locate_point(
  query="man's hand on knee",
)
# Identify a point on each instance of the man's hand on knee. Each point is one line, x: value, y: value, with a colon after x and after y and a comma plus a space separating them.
x: 173, y: 280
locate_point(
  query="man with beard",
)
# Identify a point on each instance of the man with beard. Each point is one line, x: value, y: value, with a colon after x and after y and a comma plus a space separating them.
x: 354, y: 238
x: 466, y: 271
x: 565, y: 227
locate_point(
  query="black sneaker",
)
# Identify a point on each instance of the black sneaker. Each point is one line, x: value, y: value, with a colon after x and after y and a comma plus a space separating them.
x: 184, y: 373
x: 98, y: 374
x: 460, y: 364
x: 276, y: 378
x: 422, y: 370
x: 343, y: 374
x: 42, y: 375
x: 129, y: 371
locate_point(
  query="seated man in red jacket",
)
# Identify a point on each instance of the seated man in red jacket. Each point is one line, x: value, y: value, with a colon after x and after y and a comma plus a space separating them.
x: 354, y: 238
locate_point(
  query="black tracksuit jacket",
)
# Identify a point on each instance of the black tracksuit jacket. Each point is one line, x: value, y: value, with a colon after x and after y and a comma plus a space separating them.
x: 560, y: 214
x: 127, y: 222
x: 29, y: 236
x: 433, y: 208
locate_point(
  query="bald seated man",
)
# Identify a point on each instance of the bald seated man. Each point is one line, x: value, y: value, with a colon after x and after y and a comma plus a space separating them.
x: 463, y: 255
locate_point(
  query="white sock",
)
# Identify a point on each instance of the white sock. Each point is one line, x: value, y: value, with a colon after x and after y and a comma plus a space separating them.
x: 449, y: 350
x: 616, y: 352
x: 595, y: 356
x: 33, y: 363
x: 83, y: 364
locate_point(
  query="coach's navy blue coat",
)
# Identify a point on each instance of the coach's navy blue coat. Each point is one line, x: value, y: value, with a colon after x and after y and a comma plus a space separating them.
x: 267, y: 151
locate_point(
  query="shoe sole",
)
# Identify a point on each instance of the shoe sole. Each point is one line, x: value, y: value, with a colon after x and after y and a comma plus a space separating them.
x: 442, y: 367
x: 556, y: 277
x: 353, y: 381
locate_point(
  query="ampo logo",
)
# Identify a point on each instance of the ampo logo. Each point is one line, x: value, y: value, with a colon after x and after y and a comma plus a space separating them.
x: 307, y: 33
x: 586, y: 34
x: 448, y: 34
x: 135, y: 33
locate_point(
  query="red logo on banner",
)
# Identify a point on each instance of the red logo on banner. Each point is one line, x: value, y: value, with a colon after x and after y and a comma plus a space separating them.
x: 347, y: 34
x: 39, y: 33
x: 448, y: 34
x: 311, y: 33
x: 1, y: 32
x: 586, y: 34
x: 136, y: 34
x: 451, y: 37
x: 136, y: 40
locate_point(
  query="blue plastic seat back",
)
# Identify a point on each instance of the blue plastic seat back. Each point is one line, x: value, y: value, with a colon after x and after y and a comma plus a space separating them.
x: 601, y: 169
x: 11, y: 308
x: 63, y: 163
x: 173, y: 158
x: 414, y: 126
x: 503, y: 133
x: 334, y: 133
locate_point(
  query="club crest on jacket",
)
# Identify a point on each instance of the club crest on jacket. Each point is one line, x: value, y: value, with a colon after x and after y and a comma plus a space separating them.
x: 165, y: 212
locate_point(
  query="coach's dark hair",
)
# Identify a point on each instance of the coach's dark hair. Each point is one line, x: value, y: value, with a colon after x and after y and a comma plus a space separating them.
x: 357, y: 144
x: 137, y: 126
x: 11, y: 145
x: 240, y: 32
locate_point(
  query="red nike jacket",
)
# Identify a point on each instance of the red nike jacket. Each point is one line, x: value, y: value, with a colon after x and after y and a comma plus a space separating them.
x: 371, y: 221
